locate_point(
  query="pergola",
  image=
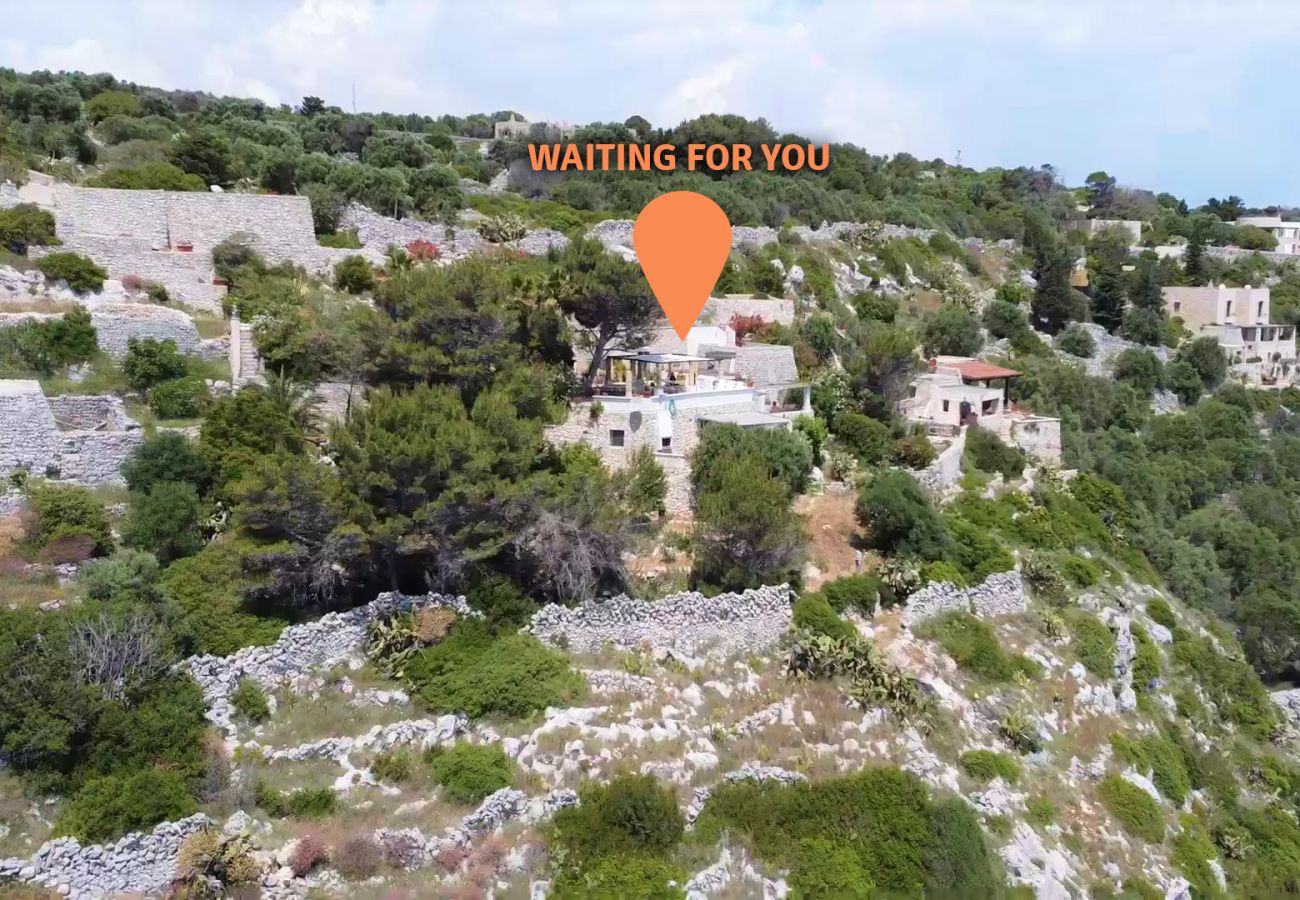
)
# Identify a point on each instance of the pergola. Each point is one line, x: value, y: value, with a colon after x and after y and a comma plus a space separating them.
x: 978, y: 372
x: 666, y: 372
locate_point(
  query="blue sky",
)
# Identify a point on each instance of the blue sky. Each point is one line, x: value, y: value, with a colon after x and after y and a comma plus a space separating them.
x: 1189, y: 96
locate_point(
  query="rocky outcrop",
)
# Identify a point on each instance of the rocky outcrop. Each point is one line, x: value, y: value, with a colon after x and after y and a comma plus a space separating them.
x: 141, y: 862
x: 690, y: 622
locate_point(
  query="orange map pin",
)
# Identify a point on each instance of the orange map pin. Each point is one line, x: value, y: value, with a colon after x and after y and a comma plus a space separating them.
x: 682, y: 240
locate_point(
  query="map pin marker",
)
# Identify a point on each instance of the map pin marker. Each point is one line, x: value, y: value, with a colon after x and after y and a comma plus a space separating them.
x: 682, y: 241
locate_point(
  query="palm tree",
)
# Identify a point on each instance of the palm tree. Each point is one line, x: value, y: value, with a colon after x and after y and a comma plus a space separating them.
x: 298, y: 401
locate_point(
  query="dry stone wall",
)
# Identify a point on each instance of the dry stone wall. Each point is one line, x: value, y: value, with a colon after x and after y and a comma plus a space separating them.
x: 116, y: 323
x: 689, y: 622
x: 333, y: 639
x: 96, y: 440
x: 90, y: 412
x: 138, y: 863
x: 28, y: 433
x: 1002, y: 593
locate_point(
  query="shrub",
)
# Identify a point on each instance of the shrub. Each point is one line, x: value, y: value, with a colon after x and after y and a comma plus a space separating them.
x: 57, y: 512
x: 972, y: 644
x: 902, y: 841
x: 110, y: 806
x: 867, y: 439
x: 1042, y: 576
x: 149, y: 361
x: 180, y: 398
x: 308, y: 852
x: 812, y: 613
x: 475, y: 673
x: 229, y: 256
x: 167, y: 456
x: 249, y: 700
x: 914, y: 451
x: 502, y: 602
x: 1146, y: 664
x: 1076, y: 342
x: 148, y: 176
x: 1040, y: 811
x: 47, y: 346
x: 633, y: 878
x: 951, y: 331
x: 470, y: 772
x: 858, y: 591
x: 644, y: 484
x: 1018, y: 730
x: 340, y: 240
x: 898, y: 517
x: 1160, y: 612
x: 985, y: 765
x: 165, y: 521
x: 814, y: 429
x: 1079, y: 571
x: 128, y: 576
x: 301, y: 804
x: 630, y: 816
x: 1094, y: 644
x: 24, y: 225
x: 354, y: 274
x: 357, y: 858
x: 823, y: 868
x: 156, y: 292
x: 975, y: 553
x: 989, y: 454
x: 786, y: 455
x: 1160, y: 756
x: 395, y: 766
x: 80, y: 273
x: 1133, y: 808
x: 502, y: 229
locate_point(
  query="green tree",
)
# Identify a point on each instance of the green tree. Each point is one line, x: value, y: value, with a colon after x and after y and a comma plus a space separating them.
x: 1205, y: 356
x: 149, y: 361
x: 165, y: 521
x: 166, y: 456
x: 1107, y: 255
x: 207, y: 154
x: 745, y: 534
x: 1146, y: 317
x: 898, y: 517
x: 951, y: 331
x: 111, y: 103
x: 644, y: 485
x: 1194, y: 257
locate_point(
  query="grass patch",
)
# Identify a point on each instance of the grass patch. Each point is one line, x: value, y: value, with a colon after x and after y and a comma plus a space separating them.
x: 972, y: 644
x: 1093, y: 643
x: 985, y: 765
x: 1133, y: 808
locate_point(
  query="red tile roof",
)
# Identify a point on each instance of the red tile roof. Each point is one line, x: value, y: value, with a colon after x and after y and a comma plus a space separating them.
x: 975, y: 370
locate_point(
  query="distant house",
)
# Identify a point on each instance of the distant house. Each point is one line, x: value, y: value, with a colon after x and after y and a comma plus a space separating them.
x: 1287, y: 233
x: 1132, y: 227
x: 662, y: 396
x: 956, y: 392
x: 1262, y: 353
x: 515, y: 127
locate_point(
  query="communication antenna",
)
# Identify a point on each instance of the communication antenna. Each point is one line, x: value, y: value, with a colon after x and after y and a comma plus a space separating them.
x: 958, y: 157
x: 354, y: 98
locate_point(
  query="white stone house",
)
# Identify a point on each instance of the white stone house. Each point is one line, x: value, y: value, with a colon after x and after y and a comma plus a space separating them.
x: 662, y: 399
x: 1261, y: 353
x: 956, y: 392
x: 1287, y: 233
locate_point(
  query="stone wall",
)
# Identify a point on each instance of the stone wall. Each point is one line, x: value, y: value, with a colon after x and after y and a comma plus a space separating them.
x: 689, y: 622
x: 138, y: 863
x: 378, y: 231
x: 116, y: 323
x: 719, y: 310
x: 90, y: 412
x: 1002, y: 593
x: 187, y: 276
x: 98, y: 441
x: 945, y: 471
x: 28, y: 434
x: 334, y: 638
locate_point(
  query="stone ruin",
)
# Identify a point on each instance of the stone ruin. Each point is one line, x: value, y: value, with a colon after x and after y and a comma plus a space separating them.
x: 73, y: 438
x: 1002, y: 593
x: 116, y: 323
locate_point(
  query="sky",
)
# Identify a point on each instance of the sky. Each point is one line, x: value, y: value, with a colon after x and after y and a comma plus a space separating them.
x: 1189, y: 96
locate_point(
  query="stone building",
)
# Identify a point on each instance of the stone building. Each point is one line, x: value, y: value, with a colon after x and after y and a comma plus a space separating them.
x: 663, y: 399
x: 956, y: 392
x: 1131, y: 227
x: 75, y: 438
x: 1287, y: 233
x: 1261, y: 353
x: 168, y: 236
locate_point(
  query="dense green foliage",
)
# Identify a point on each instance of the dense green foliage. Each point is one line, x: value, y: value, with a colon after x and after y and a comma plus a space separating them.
x: 985, y: 765
x: 903, y: 842
x: 80, y: 272
x: 469, y: 772
x: 971, y: 642
x: 1133, y: 808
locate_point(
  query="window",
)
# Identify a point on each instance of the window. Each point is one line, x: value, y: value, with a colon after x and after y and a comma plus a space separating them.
x: 989, y: 407
x: 1228, y: 310
x: 666, y: 443
x: 1178, y: 304
x: 616, y: 437
x: 945, y: 406
x: 1259, y: 311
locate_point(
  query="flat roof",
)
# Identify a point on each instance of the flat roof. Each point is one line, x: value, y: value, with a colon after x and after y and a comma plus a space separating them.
x: 746, y: 419
x: 978, y: 370
x: 657, y: 358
